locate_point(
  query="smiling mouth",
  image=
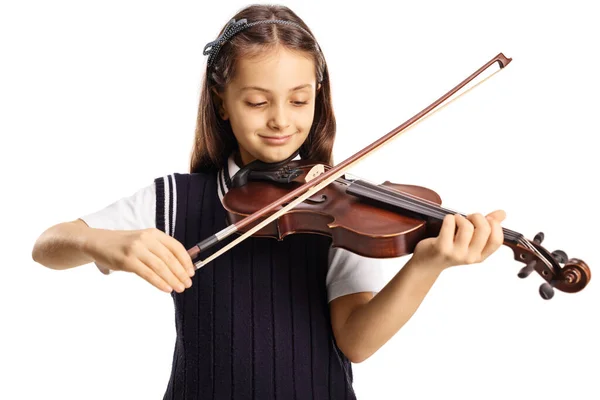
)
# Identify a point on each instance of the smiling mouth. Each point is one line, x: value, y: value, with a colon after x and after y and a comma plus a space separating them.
x: 276, y: 137
x: 276, y: 140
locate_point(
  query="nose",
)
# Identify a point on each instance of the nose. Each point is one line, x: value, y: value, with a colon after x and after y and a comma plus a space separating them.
x: 279, y: 120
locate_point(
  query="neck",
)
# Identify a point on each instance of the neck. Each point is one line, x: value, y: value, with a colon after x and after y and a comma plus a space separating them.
x: 237, y: 158
x: 243, y: 158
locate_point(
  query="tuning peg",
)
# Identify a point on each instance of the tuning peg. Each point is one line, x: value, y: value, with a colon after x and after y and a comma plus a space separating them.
x: 526, y: 270
x: 546, y: 291
x: 560, y: 256
x: 539, y: 238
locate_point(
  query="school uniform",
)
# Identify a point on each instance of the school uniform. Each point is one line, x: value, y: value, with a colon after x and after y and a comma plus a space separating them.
x: 255, y: 323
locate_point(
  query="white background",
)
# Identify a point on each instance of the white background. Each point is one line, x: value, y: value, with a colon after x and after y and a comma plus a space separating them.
x: 99, y: 98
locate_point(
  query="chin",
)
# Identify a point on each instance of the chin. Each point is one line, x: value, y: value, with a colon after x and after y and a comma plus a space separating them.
x: 273, y: 158
x: 277, y: 155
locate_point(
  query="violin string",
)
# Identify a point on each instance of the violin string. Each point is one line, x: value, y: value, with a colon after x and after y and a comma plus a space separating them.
x: 412, y: 204
x: 424, y: 206
x: 402, y: 196
x: 513, y: 235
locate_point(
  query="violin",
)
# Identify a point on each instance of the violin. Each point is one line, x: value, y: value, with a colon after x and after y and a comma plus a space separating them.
x: 373, y: 220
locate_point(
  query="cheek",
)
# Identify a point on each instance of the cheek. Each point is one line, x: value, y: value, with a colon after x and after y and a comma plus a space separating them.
x: 245, y: 123
x: 303, y: 116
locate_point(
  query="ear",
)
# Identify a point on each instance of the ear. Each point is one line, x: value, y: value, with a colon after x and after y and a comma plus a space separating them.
x: 219, y: 100
x: 318, y: 86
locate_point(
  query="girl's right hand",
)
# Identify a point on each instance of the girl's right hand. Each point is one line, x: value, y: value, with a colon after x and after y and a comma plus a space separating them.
x: 149, y: 253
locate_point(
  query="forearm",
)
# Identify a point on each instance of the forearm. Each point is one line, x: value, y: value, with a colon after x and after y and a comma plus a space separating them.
x: 65, y: 245
x: 371, y: 325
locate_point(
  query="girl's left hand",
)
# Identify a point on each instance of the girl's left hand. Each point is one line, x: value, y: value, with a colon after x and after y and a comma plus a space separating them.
x: 476, y: 238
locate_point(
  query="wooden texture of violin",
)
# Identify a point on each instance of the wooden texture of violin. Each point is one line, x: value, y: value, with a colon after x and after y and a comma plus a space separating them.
x: 374, y: 221
x: 366, y: 229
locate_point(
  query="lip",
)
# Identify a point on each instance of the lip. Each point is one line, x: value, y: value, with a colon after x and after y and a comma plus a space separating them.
x: 276, y: 140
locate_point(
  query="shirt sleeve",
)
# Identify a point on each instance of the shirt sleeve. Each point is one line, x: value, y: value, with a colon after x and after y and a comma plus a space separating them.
x: 133, y: 212
x: 351, y: 273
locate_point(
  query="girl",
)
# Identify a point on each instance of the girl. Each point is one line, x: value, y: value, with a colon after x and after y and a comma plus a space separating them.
x: 268, y: 319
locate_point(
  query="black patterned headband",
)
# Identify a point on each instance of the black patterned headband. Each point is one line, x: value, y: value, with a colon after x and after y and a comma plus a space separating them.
x: 233, y: 27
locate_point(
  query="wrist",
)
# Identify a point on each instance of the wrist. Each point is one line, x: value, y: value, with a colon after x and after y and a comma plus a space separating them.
x: 89, y: 239
x: 431, y: 266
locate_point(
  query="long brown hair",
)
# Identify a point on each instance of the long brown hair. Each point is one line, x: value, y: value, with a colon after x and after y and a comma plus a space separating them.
x: 214, y: 140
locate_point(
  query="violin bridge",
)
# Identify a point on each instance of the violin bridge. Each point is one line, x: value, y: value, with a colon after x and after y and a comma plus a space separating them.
x: 314, y: 172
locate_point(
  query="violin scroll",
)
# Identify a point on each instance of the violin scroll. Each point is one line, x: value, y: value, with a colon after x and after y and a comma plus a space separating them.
x: 571, y: 277
x: 575, y: 276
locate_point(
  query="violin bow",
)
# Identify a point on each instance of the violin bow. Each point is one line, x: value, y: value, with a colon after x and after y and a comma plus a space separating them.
x: 572, y: 278
x: 319, y: 182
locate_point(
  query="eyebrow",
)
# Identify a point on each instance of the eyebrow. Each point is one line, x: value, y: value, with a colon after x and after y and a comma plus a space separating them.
x: 266, y: 90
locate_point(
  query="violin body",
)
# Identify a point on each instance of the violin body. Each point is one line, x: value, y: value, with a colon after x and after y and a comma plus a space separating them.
x: 353, y: 223
x: 369, y: 220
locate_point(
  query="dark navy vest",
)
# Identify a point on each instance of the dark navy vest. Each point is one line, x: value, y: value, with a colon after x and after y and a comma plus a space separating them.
x: 255, y: 324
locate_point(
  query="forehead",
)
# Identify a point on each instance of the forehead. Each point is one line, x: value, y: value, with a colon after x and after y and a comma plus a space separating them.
x: 277, y: 70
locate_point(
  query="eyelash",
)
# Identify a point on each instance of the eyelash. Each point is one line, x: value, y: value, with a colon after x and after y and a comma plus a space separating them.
x: 256, y: 105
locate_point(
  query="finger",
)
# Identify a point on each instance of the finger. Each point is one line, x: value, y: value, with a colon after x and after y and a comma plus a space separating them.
x: 142, y: 270
x: 464, y: 234
x: 498, y: 215
x: 180, y: 252
x: 157, y: 264
x: 165, y: 254
x: 481, y: 234
x: 495, y: 239
x: 447, y: 230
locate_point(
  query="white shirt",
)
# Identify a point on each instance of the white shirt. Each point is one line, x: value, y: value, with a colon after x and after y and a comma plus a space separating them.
x: 347, y: 273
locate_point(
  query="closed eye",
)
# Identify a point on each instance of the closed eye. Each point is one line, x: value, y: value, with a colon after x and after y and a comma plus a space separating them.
x: 255, y: 104
x: 297, y: 103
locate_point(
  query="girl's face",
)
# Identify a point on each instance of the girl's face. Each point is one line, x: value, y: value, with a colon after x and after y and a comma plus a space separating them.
x: 271, y: 104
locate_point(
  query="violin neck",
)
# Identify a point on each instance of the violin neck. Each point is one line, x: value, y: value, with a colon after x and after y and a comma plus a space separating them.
x: 407, y: 203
